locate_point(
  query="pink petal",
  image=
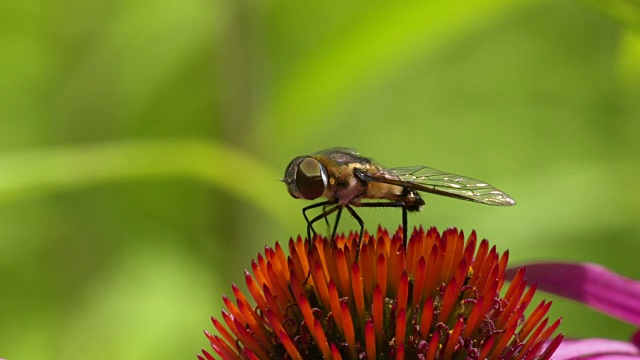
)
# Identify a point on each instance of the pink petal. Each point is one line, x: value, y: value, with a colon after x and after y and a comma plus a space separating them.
x: 588, y: 283
x: 596, y: 349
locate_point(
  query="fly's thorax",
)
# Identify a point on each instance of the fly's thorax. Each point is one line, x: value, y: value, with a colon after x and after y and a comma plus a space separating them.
x: 343, y: 186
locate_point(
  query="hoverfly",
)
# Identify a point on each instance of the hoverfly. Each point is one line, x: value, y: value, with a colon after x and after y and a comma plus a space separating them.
x: 345, y: 179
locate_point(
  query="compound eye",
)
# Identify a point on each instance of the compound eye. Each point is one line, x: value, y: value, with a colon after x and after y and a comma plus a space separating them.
x: 311, y: 178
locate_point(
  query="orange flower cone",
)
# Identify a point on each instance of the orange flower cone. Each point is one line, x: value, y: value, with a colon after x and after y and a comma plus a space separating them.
x: 439, y: 299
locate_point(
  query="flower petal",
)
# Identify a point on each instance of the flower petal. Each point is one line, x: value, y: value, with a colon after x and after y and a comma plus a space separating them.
x: 596, y: 348
x: 589, y: 283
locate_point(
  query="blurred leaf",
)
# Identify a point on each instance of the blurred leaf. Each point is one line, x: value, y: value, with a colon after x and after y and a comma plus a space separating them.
x: 66, y: 168
x: 629, y: 57
x: 626, y: 11
x: 385, y: 37
x: 153, y: 295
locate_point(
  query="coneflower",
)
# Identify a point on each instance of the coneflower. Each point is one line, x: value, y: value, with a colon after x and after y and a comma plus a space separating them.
x: 441, y: 298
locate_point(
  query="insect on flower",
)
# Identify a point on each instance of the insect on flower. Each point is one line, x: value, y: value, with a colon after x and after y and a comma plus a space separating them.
x: 345, y: 178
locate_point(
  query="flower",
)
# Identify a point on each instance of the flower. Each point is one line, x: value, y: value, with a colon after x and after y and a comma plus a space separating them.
x: 439, y: 299
x: 600, y: 289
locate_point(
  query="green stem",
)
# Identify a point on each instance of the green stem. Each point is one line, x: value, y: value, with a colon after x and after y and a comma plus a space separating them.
x: 50, y: 170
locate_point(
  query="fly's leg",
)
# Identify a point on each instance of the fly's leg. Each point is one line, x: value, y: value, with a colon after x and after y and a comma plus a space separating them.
x: 310, y: 228
x: 393, y: 204
x: 335, y: 226
x: 359, y: 220
x: 326, y: 219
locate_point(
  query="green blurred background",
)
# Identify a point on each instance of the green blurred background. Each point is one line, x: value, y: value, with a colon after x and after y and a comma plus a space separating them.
x: 141, y: 143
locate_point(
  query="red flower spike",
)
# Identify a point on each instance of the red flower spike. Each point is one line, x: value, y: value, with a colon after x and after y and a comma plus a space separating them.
x: 431, y: 237
x: 335, y: 307
x: 513, y: 302
x: 273, y: 320
x: 403, y: 292
x: 233, y: 310
x: 438, y: 299
x: 272, y: 304
x: 470, y: 247
x: 486, y: 348
x: 255, y: 290
x: 383, y: 245
x: 377, y: 314
x: 206, y: 356
x: 349, y: 332
x: 358, y: 295
x: 552, y: 347
x: 526, y: 299
x: 501, y: 342
x: 401, y: 326
x: 220, y: 353
x: 288, y: 344
x: 260, y: 271
x: 534, y: 338
x: 321, y: 339
x: 250, y: 355
x: 295, y: 269
x: 550, y: 330
x: 441, y: 246
x: 489, y: 294
x: 313, y: 257
x: 252, y: 318
x: 474, y: 318
x: 481, y: 255
x: 248, y: 340
x: 368, y: 266
x: 434, y: 346
x: 281, y: 259
x: 370, y: 340
x: 454, y: 244
x: 209, y: 335
x: 223, y: 349
x: 395, y: 266
x: 536, y: 315
x: 343, y: 281
x: 430, y: 274
x: 329, y: 261
x: 449, y: 301
x: 515, y: 282
x: 228, y: 320
x: 503, y: 267
x: 413, y: 254
x: 335, y: 353
x: 350, y: 250
x: 279, y: 292
x: 400, y: 352
x: 488, y: 272
x: 418, y: 281
x: 452, y: 341
x: 320, y: 283
x: 222, y: 330
x: 306, y: 311
x: 381, y: 270
x: 255, y: 328
x: 427, y: 316
x: 296, y: 256
x: 461, y: 275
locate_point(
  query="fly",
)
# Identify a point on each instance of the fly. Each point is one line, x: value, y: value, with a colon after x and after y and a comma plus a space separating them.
x: 345, y: 179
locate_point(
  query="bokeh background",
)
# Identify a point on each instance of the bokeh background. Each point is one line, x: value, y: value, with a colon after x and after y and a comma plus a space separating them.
x: 141, y: 143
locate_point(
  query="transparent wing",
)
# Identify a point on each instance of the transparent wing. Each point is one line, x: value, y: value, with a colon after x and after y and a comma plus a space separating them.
x: 434, y: 181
